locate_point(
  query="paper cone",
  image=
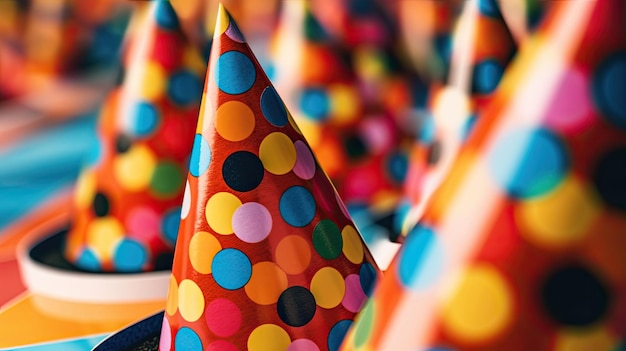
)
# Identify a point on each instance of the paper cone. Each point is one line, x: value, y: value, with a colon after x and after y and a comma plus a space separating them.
x: 354, y: 101
x: 522, y: 247
x: 128, y: 197
x: 267, y: 256
x: 482, y: 48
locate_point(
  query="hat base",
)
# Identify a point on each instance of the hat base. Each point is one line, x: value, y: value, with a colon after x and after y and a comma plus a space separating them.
x: 46, y: 272
x: 141, y: 336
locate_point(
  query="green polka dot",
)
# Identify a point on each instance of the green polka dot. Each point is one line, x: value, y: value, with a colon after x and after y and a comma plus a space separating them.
x: 167, y: 179
x: 327, y: 239
x: 364, y: 324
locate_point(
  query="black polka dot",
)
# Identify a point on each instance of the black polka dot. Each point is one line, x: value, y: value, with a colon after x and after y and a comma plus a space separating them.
x: 100, y: 205
x: 164, y: 261
x: 296, y: 306
x: 609, y: 177
x: 573, y: 296
x: 122, y: 143
x: 242, y: 171
x: 355, y: 147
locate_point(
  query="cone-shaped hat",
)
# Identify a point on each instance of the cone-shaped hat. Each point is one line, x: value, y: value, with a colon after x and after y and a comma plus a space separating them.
x: 522, y: 246
x: 128, y: 197
x: 267, y: 257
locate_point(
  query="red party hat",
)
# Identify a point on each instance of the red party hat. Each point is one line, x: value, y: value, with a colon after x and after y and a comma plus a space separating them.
x: 128, y: 197
x: 267, y: 257
x: 522, y: 247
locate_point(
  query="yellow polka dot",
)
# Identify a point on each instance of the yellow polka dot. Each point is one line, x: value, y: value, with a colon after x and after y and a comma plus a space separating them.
x: 190, y: 300
x: 598, y: 338
x: 134, y: 168
x: 203, y: 109
x: 344, y: 103
x: 172, y: 297
x: 268, y: 337
x: 561, y: 217
x: 234, y: 121
x: 352, y: 244
x: 480, y: 307
x: 103, y: 234
x: 268, y: 281
x: 219, y: 212
x: 202, y: 248
x: 311, y: 131
x: 193, y: 60
x: 277, y: 153
x: 85, y: 189
x: 154, y: 81
x: 222, y: 23
x: 328, y: 287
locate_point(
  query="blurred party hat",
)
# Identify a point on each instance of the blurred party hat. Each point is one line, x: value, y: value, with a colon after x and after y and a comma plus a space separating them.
x: 128, y: 197
x: 482, y: 48
x: 353, y: 100
x: 522, y: 247
x: 267, y: 257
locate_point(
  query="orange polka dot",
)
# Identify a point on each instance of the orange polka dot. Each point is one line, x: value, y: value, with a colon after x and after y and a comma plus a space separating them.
x: 234, y: 121
x: 268, y: 281
x: 293, y: 254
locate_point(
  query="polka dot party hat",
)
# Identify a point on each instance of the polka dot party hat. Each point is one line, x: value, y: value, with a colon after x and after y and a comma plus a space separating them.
x: 127, y: 204
x: 522, y: 247
x: 267, y: 256
x: 482, y: 48
x: 353, y: 104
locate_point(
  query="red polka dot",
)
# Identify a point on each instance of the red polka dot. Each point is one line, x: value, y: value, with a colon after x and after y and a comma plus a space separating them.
x: 223, y: 318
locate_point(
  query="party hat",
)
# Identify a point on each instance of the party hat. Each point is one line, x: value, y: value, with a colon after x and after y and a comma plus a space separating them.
x: 267, y: 257
x: 522, y: 246
x: 482, y: 48
x: 353, y: 99
x: 128, y: 197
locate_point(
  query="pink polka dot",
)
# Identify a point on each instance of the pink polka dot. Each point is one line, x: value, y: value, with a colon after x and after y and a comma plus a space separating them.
x: 303, y: 345
x: 223, y: 317
x: 221, y: 345
x: 143, y: 223
x: 252, y: 222
x: 354, y: 298
x: 570, y: 110
x: 305, y: 163
x: 378, y: 134
x: 165, y: 342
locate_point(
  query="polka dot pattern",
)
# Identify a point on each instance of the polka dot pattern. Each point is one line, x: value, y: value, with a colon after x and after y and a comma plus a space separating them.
x: 262, y: 230
x: 135, y: 178
x: 521, y: 245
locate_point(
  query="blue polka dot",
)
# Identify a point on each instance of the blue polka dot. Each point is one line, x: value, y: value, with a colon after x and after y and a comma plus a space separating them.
x: 314, y: 104
x: 367, y: 277
x: 145, y: 119
x: 170, y: 223
x: 187, y: 339
x: 88, y: 261
x: 234, y: 73
x: 129, y: 256
x: 487, y: 75
x: 421, y: 259
x: 184, y: 87
x: 231, y: 269
x: 200, y: 156
x: 398, y: 165
x: 165, y: 15
x: 488, y: 8
x: 528, y: 163
x: 609, y: 89
x: 273, y: 108
x: 427, y: 130
x: 337, y: 334
x: 297, y: 206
